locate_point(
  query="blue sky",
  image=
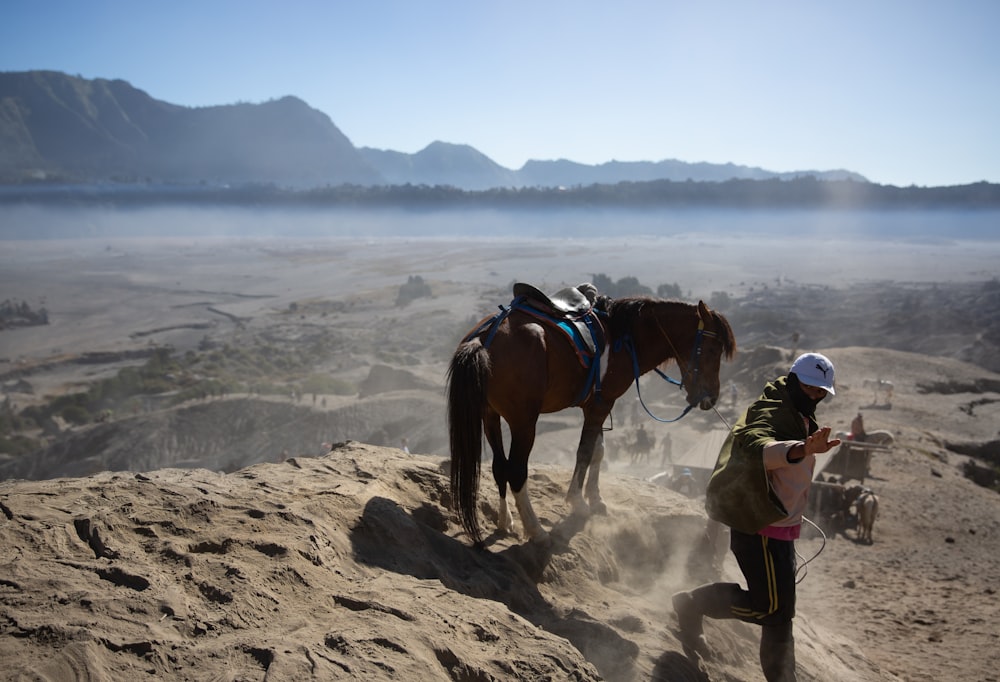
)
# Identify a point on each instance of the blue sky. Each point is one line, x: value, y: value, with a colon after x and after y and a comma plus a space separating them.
x: 902, y: 91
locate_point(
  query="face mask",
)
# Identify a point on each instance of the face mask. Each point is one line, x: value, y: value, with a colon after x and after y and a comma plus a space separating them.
x: 803, y: 403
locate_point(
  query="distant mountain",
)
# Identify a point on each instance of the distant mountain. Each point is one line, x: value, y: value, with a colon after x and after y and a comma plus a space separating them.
x: 462, y: 166
x: 568, y: 173
x: 441, y: 163
x: 57, y: 126
x: 61, y: 128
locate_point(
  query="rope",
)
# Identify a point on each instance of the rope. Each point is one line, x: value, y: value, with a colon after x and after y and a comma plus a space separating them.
x: 721, y: 418
x: 694, y: 365
x: 804, y: 566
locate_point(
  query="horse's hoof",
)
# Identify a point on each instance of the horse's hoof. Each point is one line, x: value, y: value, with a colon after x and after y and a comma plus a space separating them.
x: 599, y: 508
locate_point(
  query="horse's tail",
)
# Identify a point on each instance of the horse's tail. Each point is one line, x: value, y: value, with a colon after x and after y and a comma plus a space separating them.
x: 468, y: 377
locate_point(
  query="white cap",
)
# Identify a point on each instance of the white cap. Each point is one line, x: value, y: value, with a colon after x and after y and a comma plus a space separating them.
x: 814, y: 369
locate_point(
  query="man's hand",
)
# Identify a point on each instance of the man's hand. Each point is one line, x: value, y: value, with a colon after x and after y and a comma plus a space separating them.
x: 820, y: 442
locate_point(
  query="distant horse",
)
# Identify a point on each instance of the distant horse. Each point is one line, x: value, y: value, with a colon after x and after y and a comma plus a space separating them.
x: 641, y: 444
x: 867, y: 513
x: 879, y: 386
x: 522, y: 367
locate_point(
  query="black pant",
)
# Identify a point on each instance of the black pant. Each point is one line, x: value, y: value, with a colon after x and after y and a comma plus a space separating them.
x: 769, y: 568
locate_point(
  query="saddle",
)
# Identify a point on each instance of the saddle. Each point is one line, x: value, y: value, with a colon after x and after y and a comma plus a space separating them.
x: 571, y: 311
x: 566, y: 303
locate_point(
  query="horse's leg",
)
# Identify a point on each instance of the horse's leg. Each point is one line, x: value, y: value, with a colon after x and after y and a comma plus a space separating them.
x: 597, y: 505
x: 522, y: 439
x: 590, y: 436
x: 494, y: 436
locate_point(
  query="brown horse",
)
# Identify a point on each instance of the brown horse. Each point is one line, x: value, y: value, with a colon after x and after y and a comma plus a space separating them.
x: 522, y: 367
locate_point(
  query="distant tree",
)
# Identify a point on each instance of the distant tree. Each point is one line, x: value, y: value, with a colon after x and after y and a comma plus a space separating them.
x: 720, y: 300
x: 21, y: 315
x: 604, y: 284
x: 630, y: 286
x: 76, y: 414
x: 626, y: 286
x: 669, y: 290
x: 414, y: 288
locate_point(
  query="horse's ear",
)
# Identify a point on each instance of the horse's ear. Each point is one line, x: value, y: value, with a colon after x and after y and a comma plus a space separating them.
x: 703, y: 312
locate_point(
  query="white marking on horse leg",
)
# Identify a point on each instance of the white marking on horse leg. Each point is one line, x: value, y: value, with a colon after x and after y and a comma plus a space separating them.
x: 576, y: 502
x: 532, y: 527
x: 505, y: 520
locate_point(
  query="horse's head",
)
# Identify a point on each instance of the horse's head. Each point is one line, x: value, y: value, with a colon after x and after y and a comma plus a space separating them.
x: 694, y: 336
x: 701, y: 343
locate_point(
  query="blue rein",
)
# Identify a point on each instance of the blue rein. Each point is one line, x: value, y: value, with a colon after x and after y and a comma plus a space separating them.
x: 629, y: 345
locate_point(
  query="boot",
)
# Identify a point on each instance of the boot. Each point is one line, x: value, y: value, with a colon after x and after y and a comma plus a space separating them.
x: 713, y: 600
x: 777, y: 653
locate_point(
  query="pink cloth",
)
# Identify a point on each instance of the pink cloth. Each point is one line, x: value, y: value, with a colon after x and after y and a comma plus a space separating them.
x: 782, y: 532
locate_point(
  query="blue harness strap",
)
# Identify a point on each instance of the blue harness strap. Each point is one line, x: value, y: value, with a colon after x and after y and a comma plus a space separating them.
x: 492, y: 323
x: 594, y: 375
x: 585, y: 353
x: 628, y: 344
x: 591, y: 360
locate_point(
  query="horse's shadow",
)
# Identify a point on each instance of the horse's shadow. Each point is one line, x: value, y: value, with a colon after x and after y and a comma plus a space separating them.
x: 416, y: 543
x: 441, y: 554
x: 534, y: 557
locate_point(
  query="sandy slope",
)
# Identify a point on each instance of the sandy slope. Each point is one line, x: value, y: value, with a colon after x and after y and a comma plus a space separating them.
x: 343, y: 567
x: 349, y: 566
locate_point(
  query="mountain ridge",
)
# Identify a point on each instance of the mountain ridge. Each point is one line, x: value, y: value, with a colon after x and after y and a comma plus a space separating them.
x: 60, y: 128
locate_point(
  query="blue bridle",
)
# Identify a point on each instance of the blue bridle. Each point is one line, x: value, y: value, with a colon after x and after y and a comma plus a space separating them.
x: 695, y: 365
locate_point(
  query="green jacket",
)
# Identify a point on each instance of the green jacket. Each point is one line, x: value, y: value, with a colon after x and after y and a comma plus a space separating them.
x: 739, y: 494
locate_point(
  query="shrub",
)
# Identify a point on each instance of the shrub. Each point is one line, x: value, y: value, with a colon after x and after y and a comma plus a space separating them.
x: 18, y: 445
x: 76, y: 414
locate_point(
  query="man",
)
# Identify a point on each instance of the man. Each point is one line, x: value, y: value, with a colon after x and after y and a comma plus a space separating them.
x: 685, y: 483
x: 858, y: 428
x: 759, y: 489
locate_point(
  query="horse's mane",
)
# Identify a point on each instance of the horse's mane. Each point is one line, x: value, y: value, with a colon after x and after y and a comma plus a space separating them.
x: 623, y: 314
x: 726, y: 335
